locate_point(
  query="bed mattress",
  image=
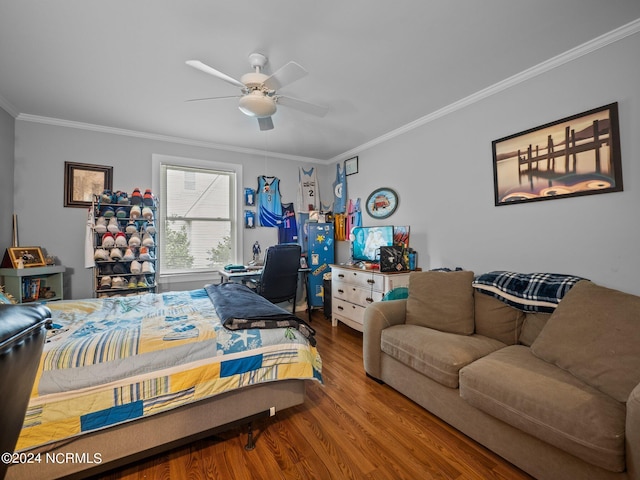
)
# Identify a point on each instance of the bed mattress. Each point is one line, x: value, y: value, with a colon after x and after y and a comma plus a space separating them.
x: 114, y: 360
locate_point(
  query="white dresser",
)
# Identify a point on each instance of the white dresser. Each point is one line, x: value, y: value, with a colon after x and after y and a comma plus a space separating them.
x: 352, y: 289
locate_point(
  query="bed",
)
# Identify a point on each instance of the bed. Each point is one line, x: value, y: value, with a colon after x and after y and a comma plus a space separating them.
x: 122, y: 378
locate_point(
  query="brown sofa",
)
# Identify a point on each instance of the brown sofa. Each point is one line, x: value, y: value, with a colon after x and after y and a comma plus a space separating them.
x: 556, y: 394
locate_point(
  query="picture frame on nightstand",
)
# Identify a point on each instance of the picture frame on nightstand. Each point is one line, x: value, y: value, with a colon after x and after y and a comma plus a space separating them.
x: 30, y: 257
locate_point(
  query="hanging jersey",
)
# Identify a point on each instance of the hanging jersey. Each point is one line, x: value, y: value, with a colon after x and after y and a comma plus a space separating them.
x: 339, y: 229
x: 348, y: 218
x: 307, y: 190
x: 356, y: 221
x: 288, y: 229
x: 269, y: 201
x: 340, y: 191
x: 353, y: 216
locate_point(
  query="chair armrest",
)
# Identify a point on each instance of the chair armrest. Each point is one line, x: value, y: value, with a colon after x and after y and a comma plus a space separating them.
x: 377, y: 317
x: 633, y: 434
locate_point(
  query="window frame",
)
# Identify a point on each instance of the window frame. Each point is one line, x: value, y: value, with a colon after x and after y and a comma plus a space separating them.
x: 158, y: 161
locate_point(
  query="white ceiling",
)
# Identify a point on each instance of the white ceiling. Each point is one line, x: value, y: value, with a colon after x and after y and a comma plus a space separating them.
x: 377, y: 64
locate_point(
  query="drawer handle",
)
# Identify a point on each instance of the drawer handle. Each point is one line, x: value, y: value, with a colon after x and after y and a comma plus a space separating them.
x: 340, y: 290
x: 369, y: 300
x: 340, y: 275
x: 340, y: 308
x: 371, y: 281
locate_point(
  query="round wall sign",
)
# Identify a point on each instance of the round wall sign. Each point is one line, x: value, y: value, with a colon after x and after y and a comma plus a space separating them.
x: 382, y: 203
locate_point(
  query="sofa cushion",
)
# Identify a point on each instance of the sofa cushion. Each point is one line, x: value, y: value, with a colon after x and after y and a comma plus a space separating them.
x: 594, y: 334
x: 548, y: 403
x: 532, y: 326
x: 496, y: 319
x: 437, y: 355
x: 441, y: 300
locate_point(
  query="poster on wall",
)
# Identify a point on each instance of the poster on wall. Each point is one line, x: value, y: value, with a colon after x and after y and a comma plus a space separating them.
x: 577, y: 155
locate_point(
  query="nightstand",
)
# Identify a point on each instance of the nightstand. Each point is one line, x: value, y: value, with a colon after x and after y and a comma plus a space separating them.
x: 23, y: 283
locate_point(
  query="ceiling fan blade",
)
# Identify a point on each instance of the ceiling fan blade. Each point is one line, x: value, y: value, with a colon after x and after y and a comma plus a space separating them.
x: 212, y: 98
x: 285, y: 75
x: 312, y: 108
x: 212, y: 71
x: 265, y: 123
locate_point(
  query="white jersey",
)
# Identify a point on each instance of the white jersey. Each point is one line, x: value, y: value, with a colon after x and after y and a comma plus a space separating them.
x: 308, y: 198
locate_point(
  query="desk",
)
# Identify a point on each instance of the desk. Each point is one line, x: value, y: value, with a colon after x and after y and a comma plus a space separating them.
x: 231, y: 276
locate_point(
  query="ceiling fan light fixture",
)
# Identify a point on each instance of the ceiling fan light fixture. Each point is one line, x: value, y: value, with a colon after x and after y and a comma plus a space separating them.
x: 256, y: 104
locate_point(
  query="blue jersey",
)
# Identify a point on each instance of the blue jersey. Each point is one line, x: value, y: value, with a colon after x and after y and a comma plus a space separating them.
x: 340, y: 191
x: 269, y: 201
x: 288, y: 229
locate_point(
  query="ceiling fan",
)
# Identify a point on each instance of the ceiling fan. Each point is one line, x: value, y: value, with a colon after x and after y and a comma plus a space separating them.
x: 260, y: 96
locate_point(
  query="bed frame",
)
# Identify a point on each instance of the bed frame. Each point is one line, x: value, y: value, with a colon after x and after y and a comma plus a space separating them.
x: 129, y: 442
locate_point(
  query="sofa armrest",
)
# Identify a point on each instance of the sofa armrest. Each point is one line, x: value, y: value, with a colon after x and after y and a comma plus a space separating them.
x: 377, y: 317
x: 632, y: 428
x: 22, y: 337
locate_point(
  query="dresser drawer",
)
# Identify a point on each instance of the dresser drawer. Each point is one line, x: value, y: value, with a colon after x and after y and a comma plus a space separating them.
x: 342, y: 308
x: 360, y: 278
x: 355, y: 294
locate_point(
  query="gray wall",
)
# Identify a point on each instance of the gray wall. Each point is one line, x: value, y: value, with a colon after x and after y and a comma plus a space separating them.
x: 442, y: 171
x: 443, y: 174
x: 40, y: 153
x: 7, y: 135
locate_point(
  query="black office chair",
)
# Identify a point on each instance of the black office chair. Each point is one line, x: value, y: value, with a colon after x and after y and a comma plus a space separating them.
x: 279, y: 279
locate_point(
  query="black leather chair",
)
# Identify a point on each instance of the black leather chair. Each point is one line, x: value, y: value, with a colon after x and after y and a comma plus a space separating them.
x: 22, y: 336
x: 279, y: 279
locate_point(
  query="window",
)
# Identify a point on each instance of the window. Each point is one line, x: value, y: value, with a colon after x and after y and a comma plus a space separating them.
x: 198, y: 215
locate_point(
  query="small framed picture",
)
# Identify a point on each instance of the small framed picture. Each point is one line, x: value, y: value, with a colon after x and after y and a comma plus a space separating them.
x: 82, y: 181
x: 27, y: 256
x: 351, y: 166
x: 249, y: 219
x: 249, y: 197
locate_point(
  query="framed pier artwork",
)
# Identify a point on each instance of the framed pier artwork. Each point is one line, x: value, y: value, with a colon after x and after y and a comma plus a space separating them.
x: 578, y: 155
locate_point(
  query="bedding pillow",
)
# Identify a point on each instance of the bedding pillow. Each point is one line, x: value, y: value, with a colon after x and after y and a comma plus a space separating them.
x: 441, y: 300
x: 594, y: 334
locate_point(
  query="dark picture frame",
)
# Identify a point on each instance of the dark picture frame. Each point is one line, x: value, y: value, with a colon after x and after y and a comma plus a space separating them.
x: 351, y: 166
x: 31, y: 256
x: 84, y: 180
x: 575, y: 156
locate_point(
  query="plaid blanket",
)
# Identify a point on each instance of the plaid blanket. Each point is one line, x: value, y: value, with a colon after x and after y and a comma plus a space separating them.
x: 530, y: 292
x: 241, y: 308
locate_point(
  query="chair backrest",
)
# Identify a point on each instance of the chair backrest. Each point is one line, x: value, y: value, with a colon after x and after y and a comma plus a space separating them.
x: 279, y: 279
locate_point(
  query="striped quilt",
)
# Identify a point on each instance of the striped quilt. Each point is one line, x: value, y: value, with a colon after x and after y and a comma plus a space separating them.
x: 112, y: 360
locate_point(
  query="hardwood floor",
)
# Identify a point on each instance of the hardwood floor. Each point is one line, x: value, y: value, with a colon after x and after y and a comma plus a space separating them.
x: 349, y: 428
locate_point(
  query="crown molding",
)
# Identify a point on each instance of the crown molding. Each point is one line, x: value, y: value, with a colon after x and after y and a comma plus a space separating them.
x: 8, y: 107
x: 25, y: 117
x: 613, y: 36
